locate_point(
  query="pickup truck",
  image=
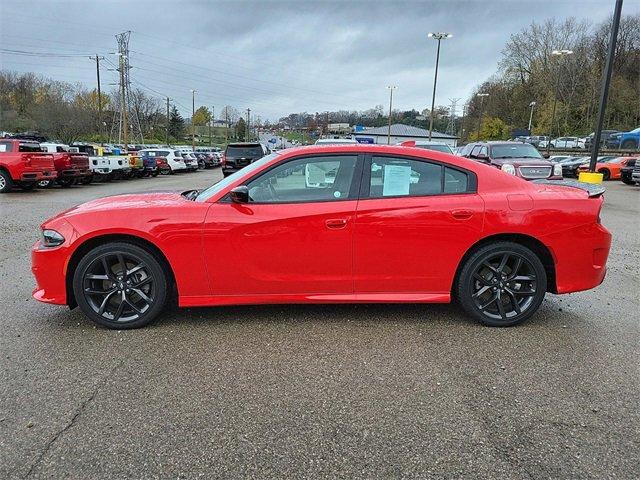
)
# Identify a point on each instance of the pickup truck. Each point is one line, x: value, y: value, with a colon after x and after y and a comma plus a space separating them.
x: 23, y: 163
x: 624, y: 140
x: 72, y: 166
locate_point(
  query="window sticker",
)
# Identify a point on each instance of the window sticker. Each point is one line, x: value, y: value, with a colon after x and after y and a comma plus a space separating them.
x: 396, y: 180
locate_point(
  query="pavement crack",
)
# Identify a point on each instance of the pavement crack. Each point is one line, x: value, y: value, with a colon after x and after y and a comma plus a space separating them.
x: 71, y: 422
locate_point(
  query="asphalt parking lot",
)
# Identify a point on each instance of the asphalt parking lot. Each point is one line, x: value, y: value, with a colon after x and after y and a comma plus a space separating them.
x: 355, y: 391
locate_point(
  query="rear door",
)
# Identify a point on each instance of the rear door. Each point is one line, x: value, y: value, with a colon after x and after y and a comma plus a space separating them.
x: 414, y: 222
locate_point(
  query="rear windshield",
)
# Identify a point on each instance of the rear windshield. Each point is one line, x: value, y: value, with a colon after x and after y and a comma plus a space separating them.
x: 252, y: 151
x: 437, y: 148
x: 520, y: 150
x: 155, y: 153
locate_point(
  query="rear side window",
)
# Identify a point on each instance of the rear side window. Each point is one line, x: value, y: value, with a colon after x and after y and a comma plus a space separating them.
x: 455, y: 181
x: 30, y: 147
x: 5, y: 146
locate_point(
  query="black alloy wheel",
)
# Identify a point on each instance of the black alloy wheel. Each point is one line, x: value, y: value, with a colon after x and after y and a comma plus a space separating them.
x: 502, y: 284
x: 120, y: 285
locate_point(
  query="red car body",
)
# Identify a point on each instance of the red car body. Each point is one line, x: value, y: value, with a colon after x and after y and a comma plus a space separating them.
x: 396, y: 249
x: 25, y: 163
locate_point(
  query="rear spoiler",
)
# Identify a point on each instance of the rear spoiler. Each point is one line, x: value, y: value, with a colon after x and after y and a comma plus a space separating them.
x: 593, y: 189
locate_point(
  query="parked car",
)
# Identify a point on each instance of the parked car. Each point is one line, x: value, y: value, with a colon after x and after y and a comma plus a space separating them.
x: 609, y: 167
x: 520, y: 159
x: 625, y: 140
x: 152, y: 165
x: 626, y: 172
x: 136, y: 164
x: 635, y: 174
x: 239, y: 155
x: 23, y: 164
x: 174, y: 158
x: 536, y: 140
x: 101, y: 168
x: 570, y: 166
x: 603, y: 138
x: 429, y: 145
x: 190, y: 161
x: 71, y: 166
x: 567, y: 142
x: 558, y: 158
x: 298, y: 236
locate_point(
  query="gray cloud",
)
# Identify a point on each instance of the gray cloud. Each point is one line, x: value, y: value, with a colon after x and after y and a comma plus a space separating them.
x: 278, y: 57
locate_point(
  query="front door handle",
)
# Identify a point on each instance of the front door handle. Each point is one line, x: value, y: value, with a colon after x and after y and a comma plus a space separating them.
x: 461, y: 214
x: 336, y: 223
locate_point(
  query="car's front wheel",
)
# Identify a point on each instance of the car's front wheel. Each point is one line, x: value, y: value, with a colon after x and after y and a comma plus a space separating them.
x: 120, y: 285
x: 502, y: 284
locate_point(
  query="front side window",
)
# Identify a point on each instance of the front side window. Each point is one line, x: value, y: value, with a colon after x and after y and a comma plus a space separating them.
x: 396, y: 177
x: 311, y: 179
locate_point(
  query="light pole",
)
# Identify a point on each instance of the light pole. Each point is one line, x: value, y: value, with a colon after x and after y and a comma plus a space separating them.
x: 439, y: 36
x: 532, y: 104
x: 391, y: 89
x: 193, y: 114
x: 556, y: 53
x: 481, y: 95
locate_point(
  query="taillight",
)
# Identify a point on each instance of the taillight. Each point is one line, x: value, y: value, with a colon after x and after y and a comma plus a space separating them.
x: 223, y: 160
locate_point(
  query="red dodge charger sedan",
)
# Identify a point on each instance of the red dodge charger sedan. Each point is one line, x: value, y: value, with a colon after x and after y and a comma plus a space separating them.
x: 329, y: 224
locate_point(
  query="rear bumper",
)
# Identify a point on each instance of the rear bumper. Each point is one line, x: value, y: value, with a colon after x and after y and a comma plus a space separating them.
x: 38, y: 175
x: 580, y: 256
x: 74, y: 173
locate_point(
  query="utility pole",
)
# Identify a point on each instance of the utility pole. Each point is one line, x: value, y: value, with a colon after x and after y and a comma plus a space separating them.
x: 439, y: 37
x: 211, y: 120
x: 123, y: 104
x: 246, y: 130
x: 97, y: 59
x: 193, y: 127
x: 560, y: 54
x: 605, y: 85
x: 391, y: 89
x: 167, y: 132
x: 481, y: 95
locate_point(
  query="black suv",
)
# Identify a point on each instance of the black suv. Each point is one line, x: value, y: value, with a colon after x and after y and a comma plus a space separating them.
x: 239, y: 155
x: 626, y: 173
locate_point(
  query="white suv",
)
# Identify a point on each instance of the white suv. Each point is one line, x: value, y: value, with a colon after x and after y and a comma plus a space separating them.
x: 174, y: 157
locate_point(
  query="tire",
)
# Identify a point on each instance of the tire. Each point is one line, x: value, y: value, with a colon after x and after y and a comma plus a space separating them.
x: 628, y: 181
x: 6, y: 184
x: 98, y: 297
x: 606, y: 174
x: 65, y: 182
x: 46, y: 183
x: 28, y: 186
x: 628, y: 145
x: 485, y: 282
x: 87, y: 180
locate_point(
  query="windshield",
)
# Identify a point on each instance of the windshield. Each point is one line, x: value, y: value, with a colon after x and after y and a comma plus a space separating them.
x: 520, y: 150
x: 637, y: 130
x: 206, y: 194
x: 244, y: 152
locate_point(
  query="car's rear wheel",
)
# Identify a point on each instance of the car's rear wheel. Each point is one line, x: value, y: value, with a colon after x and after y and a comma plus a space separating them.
x: 5, y: 182
x: 86, y: 180
x: 502, y: 284
x: 606, y: 174
x: 120, y: 285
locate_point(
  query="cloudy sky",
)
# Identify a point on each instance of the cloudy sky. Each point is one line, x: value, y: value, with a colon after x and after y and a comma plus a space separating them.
x: 278, y: 57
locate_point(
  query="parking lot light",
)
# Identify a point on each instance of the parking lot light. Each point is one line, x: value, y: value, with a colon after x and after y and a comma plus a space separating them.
x: 391, y: 89
x: 481, y: 95
x: 532, y: 105
x: 556, y: 53
x: 439, y: 36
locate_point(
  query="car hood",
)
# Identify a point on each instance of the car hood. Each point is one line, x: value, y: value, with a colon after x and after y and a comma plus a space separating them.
x: 522, y: 162
x: 126, y: 201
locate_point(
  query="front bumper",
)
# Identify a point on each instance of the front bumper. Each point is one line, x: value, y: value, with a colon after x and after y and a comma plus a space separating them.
x: 48, y: 266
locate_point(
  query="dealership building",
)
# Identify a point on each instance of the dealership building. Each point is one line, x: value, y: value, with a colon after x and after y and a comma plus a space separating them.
x: 401, y: 133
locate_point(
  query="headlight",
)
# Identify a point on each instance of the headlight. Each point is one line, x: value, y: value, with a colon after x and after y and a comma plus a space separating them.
x: 557, y: 170
x: 51, y: 238
x: 508, y: 168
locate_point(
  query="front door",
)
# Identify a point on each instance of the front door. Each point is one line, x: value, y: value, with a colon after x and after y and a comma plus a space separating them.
x: 293, y: 237
x: 414, y: 222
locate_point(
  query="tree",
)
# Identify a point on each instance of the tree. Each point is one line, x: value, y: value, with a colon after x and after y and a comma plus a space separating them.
x: 202, y: 116
x: 176, y: 124
x: 241, y: 129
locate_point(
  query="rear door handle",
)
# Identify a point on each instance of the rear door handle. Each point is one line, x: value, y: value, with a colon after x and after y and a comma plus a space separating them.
x: 336, y: 223
x: 461, y: 214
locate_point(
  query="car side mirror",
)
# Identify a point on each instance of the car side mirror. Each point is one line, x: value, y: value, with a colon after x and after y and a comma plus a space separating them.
x: 545, y: 155
x: 239, y: 194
